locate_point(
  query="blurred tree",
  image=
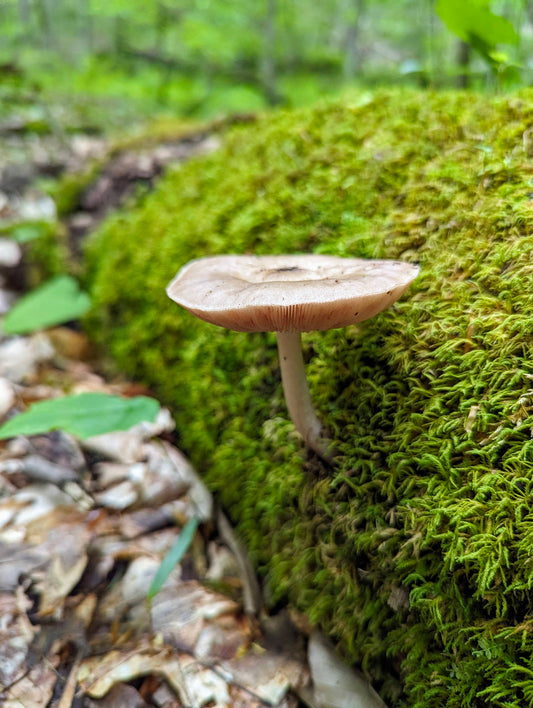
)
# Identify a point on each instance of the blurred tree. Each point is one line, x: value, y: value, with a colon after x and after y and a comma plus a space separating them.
x: 268, y: 58
x: 352, y: 60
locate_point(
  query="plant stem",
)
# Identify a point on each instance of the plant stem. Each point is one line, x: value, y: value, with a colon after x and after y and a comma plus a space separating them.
x: 297, y: 394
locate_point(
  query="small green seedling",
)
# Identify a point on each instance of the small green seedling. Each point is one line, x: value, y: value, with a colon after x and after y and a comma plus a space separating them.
x: 173, y: 557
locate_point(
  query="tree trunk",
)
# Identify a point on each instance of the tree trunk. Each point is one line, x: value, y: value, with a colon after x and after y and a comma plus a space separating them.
x: 44, y: 23
x: 463, y: 63
x: 84, y: 20
x: 24, y: 13
x: 267, y: 67
x: 352, y: 53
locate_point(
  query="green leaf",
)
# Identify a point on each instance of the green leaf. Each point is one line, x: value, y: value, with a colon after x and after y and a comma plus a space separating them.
x: 82, y: 414
x: 470, y: 19
x: 28, y: 232
x: 55, y: 302
x: 173, y: 557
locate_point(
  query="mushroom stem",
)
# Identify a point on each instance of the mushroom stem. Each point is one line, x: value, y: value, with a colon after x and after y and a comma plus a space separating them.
x: 297, y: 394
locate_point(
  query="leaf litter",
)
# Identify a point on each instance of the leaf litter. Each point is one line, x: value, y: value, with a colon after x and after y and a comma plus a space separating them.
x: 93, y: 614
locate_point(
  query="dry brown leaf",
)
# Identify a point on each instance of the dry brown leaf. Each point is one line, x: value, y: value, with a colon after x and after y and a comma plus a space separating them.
x: 38, y: 469
x: 204, y: 685
x: 130, y: 591
x: 127, y: 446
x: 32, y: 506
x: 7, y: 396
x: 336, y: 685
x: 154, y: 545
x: 35, y: 689
x: 67, y: 549
x: 69, y: 343
x: 121, y: 496
x: 181, y: 611
x: 16, y: 635
x: 121, y: 446
x: 145, y: 521
x: 198, y: 494
x: 18, y: 560
x: 97, y: 675
x: 58, y: 447
x: 108, y: 474
x: 166, y: 475
x: 222, y: 563
x: 223, y: 639
x: 19, y: 356
x: 268, y: 675
x: 120, y: 696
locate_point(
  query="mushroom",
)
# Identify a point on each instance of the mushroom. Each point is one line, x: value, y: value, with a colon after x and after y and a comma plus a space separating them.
x: 290, y: 294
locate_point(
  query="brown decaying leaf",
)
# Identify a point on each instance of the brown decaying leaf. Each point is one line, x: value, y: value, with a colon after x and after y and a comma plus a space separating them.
x: 34, y: 689
x: 20, y: 356
x: 336, y: 685
x: 16, y: 635
x: 119, y: 696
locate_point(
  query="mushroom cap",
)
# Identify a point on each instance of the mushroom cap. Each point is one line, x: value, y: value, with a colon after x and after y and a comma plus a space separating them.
x: 288, y: 293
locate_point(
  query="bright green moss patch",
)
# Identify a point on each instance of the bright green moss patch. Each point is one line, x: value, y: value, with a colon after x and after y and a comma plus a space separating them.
x: 415, y: 552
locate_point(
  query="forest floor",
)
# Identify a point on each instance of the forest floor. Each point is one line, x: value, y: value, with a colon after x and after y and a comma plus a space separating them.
x: 85, y: 525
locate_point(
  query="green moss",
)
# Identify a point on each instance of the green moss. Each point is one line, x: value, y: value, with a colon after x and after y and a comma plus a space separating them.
x: 414, y: 552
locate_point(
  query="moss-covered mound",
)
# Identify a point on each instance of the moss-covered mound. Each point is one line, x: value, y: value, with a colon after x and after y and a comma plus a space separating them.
x: 415, y: 551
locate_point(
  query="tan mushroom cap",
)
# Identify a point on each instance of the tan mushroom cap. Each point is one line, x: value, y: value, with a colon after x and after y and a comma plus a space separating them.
x: 288, y: 293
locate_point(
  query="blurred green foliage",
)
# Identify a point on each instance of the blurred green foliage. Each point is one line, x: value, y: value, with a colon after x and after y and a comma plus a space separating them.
x: 107, y: 62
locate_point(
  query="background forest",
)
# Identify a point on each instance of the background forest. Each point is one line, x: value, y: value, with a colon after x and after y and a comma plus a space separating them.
x: 110, y: 60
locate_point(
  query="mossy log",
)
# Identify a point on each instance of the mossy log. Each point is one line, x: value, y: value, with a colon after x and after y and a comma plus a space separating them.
x: 415, y: 550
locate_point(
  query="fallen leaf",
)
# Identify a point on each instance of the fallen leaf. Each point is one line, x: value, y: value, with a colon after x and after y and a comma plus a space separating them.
x: 16, y: 635
x: 121, y: 496
x: 84, y: 415
x: 39, y: 469
x: 127, y: 446
x: 20, y: 356
x: 57, y: 301
x: 67, y: 549
x: 7, y: 396
x: 130, y: 591
x: 145, y: 521
x: 336, y: 685
x: 30, y: 503
x: 97, y: 675
x: 181, y: 611
x: 69, y: 343
x: 58, y: 447
x: 197, y: 492
x: 268, y: 675
x: 204, y: 685
x: 35, y: 689
x: 120, y: 696
x: 18, y: 560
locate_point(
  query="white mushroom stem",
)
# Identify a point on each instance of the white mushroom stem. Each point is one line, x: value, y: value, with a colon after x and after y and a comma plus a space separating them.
x: 297, y: 394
